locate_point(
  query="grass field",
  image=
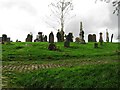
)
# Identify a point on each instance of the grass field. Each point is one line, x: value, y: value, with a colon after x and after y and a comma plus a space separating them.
x: 80, y: 66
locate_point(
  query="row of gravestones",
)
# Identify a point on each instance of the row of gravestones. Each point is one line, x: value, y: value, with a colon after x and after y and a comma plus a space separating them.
x: 69, y: 37
x: 41, y: 38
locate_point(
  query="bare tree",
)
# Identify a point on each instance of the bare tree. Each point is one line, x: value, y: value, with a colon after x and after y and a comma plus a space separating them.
x: 61, y: 11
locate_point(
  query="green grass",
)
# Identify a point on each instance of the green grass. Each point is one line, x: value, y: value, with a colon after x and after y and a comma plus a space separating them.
x: 88, y: 76
x: 83, y: 65
x: 39, y: 51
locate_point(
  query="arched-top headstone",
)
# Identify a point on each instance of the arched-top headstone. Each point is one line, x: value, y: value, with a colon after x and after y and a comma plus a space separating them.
x: 51, y: 37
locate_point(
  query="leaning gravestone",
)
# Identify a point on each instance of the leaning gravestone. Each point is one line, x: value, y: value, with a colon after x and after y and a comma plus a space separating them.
x: 51, y: 37
x: 101, y: 39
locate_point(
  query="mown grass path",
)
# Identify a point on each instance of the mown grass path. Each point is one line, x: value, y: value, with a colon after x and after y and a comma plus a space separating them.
x: 32, y: 67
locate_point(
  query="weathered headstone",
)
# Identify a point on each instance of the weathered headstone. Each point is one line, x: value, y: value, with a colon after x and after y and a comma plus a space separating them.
x: 107, y: 36
x: 62, y: 35
x: 94, y: 38
x: 40, y: 37
x: 111, y: 37
x: 101, y: 39
x: 67, y: 41
x: 29, y: 38
x: 59, y: 36
x: 51, y: 37
x: 70, y: 37
x: 91, y: 38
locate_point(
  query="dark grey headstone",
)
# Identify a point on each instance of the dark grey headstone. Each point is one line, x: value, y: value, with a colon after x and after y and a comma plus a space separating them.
x: 51, y: 37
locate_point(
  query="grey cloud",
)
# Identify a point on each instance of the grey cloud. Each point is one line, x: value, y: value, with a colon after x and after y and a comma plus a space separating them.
x: 20, y: 4
x: 92, y: 25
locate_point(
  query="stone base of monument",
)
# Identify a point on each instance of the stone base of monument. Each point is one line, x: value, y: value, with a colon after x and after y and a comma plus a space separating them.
x: 82, y: 42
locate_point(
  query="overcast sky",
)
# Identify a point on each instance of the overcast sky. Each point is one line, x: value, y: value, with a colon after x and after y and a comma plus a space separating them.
x: 20, y: 17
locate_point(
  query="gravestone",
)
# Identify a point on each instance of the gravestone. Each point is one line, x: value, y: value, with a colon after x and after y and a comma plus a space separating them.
x: 45, y: 38
x: 16, y: 40
x: 111, y: 37
x: 40, y: 37
x: 62, y: 35
x: 70, y: 37
x: 51, y: 37
x: 67, y: 41
x: 91, y: 38
x: 59, y: 38
x: 81, y: 34
x: 94, y: 38
x: 107, y: 36
x: 101, y: 39
x: 29, y: 38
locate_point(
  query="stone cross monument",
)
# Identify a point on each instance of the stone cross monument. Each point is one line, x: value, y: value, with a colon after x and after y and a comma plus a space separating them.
x: 81, y: 34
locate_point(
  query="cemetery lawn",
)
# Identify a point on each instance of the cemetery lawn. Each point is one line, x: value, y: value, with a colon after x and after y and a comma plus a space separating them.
x: 32, y: 65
